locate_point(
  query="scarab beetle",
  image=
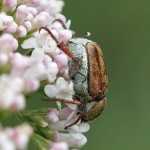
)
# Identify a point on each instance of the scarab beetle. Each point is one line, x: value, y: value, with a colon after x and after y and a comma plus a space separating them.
x: 89, y: 77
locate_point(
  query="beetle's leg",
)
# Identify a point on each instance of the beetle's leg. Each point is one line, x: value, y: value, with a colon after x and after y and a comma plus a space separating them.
x: 62, y: 101
x: 52, y: 35
x: 81, y: 115
x: 61, y: 22
x: 60, y: 45
x: 66, y: 50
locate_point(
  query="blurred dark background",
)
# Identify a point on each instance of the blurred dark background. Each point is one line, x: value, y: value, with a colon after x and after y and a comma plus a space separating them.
x: 122, y: 28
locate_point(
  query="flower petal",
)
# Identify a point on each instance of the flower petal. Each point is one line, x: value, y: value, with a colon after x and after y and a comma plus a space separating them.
x: 51, y: 90
x: 29, y: 43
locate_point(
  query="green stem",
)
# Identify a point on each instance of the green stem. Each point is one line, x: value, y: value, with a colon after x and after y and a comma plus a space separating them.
x: 40, y: 143
x: 1, y: 5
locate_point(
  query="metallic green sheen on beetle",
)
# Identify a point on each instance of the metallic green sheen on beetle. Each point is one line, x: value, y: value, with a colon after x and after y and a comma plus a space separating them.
x: 89, y: 77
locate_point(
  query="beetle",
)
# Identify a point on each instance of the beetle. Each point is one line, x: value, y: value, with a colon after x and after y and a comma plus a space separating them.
x: 88, y: 73
x: 90, y: 78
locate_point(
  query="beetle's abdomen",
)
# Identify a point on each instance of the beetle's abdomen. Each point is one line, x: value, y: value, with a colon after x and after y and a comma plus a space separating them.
x: 95, y: 111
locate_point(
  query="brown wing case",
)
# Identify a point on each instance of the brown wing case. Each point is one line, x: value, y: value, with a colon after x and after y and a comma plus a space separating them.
x: 97, y: 74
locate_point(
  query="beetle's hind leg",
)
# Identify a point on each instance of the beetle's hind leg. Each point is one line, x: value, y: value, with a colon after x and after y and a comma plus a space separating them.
x: 61, y: 100
x: 81, y: 115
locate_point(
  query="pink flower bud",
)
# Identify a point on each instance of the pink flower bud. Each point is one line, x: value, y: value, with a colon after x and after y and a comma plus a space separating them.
x: 22, y: 31
x: 3, y: 59
x: 27, y: 25
x: 35, y: 2
x: 15, y: 83
x: 32, y: 10
x: 29, y: 17
x: 72, y: 141
x: 61, y: 61
x: 5, y: 21
x: 55, y: 7
x: 11, y: 28
x: 10, y: 3
x: 21, y: 136
x: 61, y: 17
x: 55, y: 53
x: 46, y: 60
x: 8, y: 43
x: 64, y: 113
x: 19, y: 62
x: 52, y: 117
x: 56, y: 26
x: 31, y: 85
x: 21, y: 14
x: 52, y: 71
x: 42, y: 19
x: 5, y: 139
x: 59, y: 146
x: 42, y: 5
x: 64, y: 36
x: 18, y: 103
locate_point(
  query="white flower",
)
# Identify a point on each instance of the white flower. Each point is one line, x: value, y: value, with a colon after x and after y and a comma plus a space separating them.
x: 58, y: 120
x: 42, y: 41
x: 50, y: 69
x: 62, y: 89
x: 29, y: 43
x: 72, y: 141
x: 11, y: 87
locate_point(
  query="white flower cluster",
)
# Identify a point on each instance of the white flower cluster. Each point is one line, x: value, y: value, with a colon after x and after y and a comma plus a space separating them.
x: 22, y: 74
x: 15, y: 138
x: 27, y: 57
x: 57, y: 122
x: 46, y: 50
x: 29, y: 15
